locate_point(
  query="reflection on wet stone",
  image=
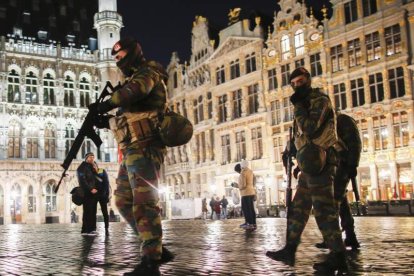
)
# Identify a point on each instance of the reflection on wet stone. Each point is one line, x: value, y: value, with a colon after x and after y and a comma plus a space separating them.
x: 201, y: 248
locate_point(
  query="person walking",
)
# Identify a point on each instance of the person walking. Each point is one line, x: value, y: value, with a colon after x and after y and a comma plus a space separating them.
x: 315, y: 138
x: 349, y: 157
x: 224, y: 203
x: 217, y: 208
x: 212, y: 203
x: 86, y: 174
x: 248, y: 193
x: 140, y: 101
x: 103, y: 194
x: 204, y: 209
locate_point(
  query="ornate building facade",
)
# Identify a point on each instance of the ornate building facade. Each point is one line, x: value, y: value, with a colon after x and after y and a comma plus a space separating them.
x: 236, y: 92
x: 45, y: 89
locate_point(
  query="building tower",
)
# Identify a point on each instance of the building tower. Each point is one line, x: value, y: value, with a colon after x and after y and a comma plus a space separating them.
x: 108, y: 24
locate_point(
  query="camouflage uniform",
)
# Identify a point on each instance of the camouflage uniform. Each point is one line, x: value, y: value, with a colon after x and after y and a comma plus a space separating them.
x: 348, y: 158
x: 315, y: 121
x: 136, y: 195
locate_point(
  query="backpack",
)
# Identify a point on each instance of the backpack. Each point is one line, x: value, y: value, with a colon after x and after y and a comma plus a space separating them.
x: 174, y: 129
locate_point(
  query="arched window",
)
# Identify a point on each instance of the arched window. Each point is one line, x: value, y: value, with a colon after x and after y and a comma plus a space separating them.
x: 31, y: 89
x: 51, y: 204
x: 50, y: 141
x: 49, y: 90
x: 16, y: 203
x: 285, y: 45
x: 14, y: 143
x: 69, y: 138
x: 32, y: 143
x: 69, y: 94
x: 13, y: 87
x: 84, y: 93
x: 250, y: 63
x: 299, y: 43
x: 31, y: 200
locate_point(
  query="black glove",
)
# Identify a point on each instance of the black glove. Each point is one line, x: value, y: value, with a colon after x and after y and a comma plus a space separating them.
x: 102, y: 121
x: 352, y: 171
x: 296, y: 171
x: 101, y: 108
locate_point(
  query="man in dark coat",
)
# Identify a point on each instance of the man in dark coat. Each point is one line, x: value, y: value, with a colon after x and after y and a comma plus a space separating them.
x: 87, y: 180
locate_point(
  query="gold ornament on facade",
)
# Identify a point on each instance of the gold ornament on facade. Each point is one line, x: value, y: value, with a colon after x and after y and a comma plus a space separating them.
x: 199, y: 19
x: 389, y: 1
x: 234, y: 15
x: 257, y: 19
x: 324, y: 11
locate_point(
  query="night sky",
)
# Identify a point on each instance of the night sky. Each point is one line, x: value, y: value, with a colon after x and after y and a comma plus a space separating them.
x: 164, y: 26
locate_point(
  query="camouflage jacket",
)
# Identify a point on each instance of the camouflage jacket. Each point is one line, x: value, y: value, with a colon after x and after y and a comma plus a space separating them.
x: 144, y: 91
x: 348, y: 133
x: 315, y: 120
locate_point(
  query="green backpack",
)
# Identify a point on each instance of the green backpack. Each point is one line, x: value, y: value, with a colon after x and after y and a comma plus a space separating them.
x: 174, y: 129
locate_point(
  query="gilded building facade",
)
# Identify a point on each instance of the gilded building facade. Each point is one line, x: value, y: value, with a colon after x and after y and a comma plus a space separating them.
x: 235, y: 90
x: 45, y: 89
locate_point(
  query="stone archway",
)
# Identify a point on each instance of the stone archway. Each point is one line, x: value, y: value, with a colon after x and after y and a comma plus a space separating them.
x: 16, y: 203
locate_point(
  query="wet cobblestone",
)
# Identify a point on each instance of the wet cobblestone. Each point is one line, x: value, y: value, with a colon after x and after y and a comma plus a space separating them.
x: 201, y: 248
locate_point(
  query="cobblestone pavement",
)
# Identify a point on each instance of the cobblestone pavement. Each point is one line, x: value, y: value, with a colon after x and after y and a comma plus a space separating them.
x: 201, y: 248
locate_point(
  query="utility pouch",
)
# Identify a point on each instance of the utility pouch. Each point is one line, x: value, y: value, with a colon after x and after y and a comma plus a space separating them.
x: 119, y: 128
x: 142, y: 126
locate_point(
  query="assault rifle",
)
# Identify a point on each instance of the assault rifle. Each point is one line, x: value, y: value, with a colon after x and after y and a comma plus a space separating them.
x: 356, y: 193
x: 87, y: 130
x: 289, y: 175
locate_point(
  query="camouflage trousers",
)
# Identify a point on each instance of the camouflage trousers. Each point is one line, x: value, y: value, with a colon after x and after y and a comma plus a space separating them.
x: 340, y: 185
x: 316, y: 191
x: 136, y: 195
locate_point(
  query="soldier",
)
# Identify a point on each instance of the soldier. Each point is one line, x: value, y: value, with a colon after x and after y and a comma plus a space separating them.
x: 348, y: 134
x: 140, y: 101
x: 315, y: 138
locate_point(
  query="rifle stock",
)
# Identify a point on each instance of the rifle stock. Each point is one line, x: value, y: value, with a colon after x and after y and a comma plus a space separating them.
x: 86, y: 130
x: 356, y: 193
x: 289, y: 176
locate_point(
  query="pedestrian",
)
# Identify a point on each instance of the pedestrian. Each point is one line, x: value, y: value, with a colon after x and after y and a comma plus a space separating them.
x: 315, y: 138
x: 350, y: 139
x: 248, y: 193
x: 212, y: 203
x: 112, y: 215
x: 87, y: 180
x: 217, y: 209
x: 140, y: 101
x: 204, y: 209
x: 103, y: 195
x: 73, y: 218
x: 224, y: 203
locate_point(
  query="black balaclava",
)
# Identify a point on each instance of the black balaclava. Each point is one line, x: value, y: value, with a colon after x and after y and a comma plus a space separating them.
x: 133, y: 57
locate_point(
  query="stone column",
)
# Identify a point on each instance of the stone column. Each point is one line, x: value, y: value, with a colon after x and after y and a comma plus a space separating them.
x: 229, y: 106
x: 373, y: 171
x: 244, y: 101
x: 367, y: 94
x: 387, y: 95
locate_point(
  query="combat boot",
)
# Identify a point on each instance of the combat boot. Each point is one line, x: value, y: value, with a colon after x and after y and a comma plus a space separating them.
x: 166, y: 256
x: 334, y: 262
x: 351, y: 240
x: 146, y: 267
x: 285, y: 255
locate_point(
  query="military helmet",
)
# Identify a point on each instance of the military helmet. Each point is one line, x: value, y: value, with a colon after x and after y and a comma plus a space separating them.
x: 77, y: 195
x: 311, y: 159
x: 175, y: 129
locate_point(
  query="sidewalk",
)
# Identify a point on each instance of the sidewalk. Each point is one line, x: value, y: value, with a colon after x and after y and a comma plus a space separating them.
x: 201, y: 248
